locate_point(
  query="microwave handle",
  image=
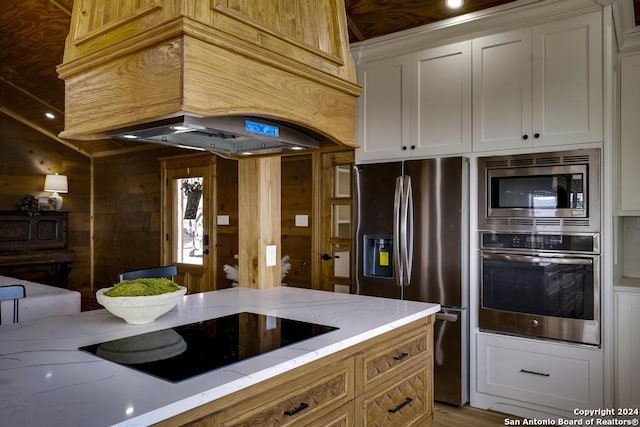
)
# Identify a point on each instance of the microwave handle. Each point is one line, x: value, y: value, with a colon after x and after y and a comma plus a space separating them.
x: 533, y: 259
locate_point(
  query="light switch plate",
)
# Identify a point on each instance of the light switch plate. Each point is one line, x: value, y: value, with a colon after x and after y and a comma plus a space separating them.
x: 271, y: 255
x: 302, y: 220
x: 223, y: 220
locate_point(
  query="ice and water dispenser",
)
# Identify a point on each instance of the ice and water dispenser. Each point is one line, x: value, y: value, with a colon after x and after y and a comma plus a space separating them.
x: 378, y: 253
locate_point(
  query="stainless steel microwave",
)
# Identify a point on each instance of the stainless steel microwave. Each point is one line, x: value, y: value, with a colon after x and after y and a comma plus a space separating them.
x: 556, y: 191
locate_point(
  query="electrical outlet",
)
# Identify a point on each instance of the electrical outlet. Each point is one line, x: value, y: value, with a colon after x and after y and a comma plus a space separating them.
x: 271, y: 255
x: 302, y: 221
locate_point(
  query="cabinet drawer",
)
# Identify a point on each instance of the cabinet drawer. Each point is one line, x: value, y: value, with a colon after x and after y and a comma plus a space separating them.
x: 302, y: 399
x: 376, y: 364
x: 563, y: 377
x: 341, y: 417
x: 404, y: 402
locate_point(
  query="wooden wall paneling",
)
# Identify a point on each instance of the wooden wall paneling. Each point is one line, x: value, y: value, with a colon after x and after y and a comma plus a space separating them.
x: 299, y: 250
x: 296, y: 195
x: 226, y: 239
x: 27, y: 156
x: 127, y: 192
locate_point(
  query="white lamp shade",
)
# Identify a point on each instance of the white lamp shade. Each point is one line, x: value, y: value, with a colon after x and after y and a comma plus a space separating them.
x: 56, y: 183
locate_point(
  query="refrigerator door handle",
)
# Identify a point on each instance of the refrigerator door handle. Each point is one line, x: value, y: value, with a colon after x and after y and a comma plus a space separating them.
x: 407, y: 230
x: 397, y: 198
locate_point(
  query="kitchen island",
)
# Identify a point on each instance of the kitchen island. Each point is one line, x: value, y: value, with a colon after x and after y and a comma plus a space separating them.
x: 46, y: 380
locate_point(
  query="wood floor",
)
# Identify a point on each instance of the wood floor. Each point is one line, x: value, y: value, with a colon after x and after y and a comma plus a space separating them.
x: 466, y: 416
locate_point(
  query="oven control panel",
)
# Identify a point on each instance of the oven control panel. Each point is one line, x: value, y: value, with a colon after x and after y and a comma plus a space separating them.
x: 541, y: 242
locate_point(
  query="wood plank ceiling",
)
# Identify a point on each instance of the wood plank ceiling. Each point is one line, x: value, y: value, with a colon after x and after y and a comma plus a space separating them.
x: 32, y: 41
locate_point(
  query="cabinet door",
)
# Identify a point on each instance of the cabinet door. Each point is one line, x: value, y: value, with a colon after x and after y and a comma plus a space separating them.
x: 383, y: 109
x: 441, y: 103
x: 630, y: 134
x: 567, y: 81
x: 627, y: 350
x: 536, y: 372
x: 502, y: 91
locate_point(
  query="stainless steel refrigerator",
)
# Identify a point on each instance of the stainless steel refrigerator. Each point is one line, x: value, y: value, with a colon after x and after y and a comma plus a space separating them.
x: 411, y: 235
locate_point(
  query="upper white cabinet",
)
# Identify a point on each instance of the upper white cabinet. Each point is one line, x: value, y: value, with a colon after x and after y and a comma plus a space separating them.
x: 383, y: 109
x: 540, y: 86
x: 415, y: 105
x: 441, y: 102
x: 629, y: 133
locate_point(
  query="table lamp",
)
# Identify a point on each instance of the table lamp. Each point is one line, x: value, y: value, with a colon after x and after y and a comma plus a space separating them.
x: 56, y: 184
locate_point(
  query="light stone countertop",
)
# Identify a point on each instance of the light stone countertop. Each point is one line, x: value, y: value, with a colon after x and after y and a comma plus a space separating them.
x: 46, y: 380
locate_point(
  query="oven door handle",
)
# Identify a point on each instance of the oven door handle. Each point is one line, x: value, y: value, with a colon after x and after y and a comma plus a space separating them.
x: 536, y: 259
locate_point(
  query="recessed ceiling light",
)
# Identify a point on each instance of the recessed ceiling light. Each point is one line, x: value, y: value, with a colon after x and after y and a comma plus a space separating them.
x: 49, y: 115
x: 454, y: 4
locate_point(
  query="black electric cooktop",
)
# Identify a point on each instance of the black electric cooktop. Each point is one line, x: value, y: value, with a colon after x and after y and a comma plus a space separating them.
x: 179, y: 353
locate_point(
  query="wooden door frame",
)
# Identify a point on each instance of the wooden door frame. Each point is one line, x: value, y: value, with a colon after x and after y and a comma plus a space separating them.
x: 318, y: 232
x: 173, y: 163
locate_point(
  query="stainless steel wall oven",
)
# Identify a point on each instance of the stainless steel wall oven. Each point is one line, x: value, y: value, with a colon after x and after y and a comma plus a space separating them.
x: 539, y: 225
x: 541, y: 285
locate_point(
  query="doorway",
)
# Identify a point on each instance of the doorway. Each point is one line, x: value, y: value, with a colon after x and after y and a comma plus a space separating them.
x: 336, y: 224
x: 187, y: 207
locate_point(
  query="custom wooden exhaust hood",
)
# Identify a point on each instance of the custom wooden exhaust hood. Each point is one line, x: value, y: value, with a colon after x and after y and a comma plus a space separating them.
x: 128, y: 63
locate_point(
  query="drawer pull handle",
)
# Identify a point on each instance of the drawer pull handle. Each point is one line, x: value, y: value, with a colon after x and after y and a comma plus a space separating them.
x: 524, y: 371
x: 401, y: 356
x: 407, y: 400
x: 294, y: 411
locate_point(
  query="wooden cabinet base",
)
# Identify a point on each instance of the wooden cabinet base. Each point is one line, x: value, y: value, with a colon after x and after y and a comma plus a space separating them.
x: 336, y: 390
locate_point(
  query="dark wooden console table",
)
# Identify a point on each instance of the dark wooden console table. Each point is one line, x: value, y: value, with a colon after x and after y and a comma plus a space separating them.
x: 35, y: 248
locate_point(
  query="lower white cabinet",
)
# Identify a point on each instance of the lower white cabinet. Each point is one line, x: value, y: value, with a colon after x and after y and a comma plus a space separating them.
x: 627, y: 306
x: 524, y: 376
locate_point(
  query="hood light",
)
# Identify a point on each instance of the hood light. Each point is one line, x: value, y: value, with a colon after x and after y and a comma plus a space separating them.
x: 179, y: 128
x: 129, y: 136
x: 295, y: 147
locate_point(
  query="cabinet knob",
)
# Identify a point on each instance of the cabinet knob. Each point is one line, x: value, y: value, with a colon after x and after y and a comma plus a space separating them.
x: 525, y: 136
x: 536, y: 135
x: 413, y: 147
x: 404, y: 147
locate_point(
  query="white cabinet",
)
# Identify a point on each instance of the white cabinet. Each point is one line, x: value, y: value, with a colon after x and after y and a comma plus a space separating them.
x: 416, y: 105
x: 441, y: 103
x: 627, y: 306
x: 383, y: 109
x: 629, y: 133
x: 520, y: 375
x: 540, y: 86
